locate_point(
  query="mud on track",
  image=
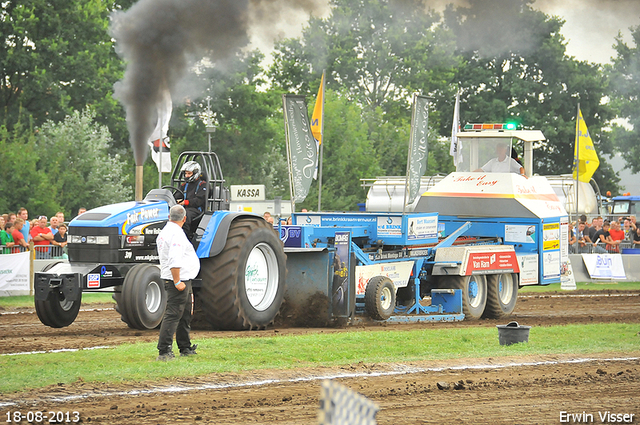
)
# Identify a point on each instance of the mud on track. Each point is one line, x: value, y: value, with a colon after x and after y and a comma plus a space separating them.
x: 488, y: 392
x: 100, y: 325
x: 491, y: 391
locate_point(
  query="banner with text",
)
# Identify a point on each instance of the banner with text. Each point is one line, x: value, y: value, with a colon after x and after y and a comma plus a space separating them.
x: 604, y: 266
x: 418, y: 146
x: 301, y: 146
x: 14, y: 273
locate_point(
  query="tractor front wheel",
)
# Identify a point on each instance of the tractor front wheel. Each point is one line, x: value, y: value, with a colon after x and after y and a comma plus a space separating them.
x: 142, y: 302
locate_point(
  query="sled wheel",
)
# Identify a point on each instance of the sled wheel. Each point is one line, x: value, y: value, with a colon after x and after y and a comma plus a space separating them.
x: 380, y: 298
x: 474, y: 293
x: 142, y: 302
x: 502, y: 294
x: 243, y: 286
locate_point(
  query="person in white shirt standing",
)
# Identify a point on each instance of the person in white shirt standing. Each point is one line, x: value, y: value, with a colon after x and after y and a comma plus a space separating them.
x: 503, y: 163
x: 179, y: 264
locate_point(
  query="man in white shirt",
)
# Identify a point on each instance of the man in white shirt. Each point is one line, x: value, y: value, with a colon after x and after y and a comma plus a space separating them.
x: 178, y: 265
x: 503, y: 163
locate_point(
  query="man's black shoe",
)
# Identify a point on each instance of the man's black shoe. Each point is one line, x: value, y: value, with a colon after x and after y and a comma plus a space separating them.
x: 189, y: 351
x: 165, y: 357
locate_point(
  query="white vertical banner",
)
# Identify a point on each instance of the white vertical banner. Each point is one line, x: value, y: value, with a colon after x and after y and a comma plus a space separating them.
x: 567, y: 279
x: 158, y: 141
x: 14, y: 273
x: 455, y: 149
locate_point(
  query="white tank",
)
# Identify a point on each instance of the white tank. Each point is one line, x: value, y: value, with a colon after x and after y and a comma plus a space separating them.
x: 386, y: 194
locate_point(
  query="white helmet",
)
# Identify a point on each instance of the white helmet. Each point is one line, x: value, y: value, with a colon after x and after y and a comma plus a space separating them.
x: 192, y: 166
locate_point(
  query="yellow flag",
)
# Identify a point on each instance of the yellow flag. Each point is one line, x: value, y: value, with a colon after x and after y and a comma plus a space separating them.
x: 318, y: 109
x: 584, y: 153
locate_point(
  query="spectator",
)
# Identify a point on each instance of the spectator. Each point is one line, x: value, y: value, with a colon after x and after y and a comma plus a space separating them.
x: 24, y: 214
x: 12, y: 218
x: 632, y: 219
x: 627, y: 230
x: 53, y: 225
x: 6, y: 218
x: 42, y: 236
x: 60, y: 239
x: 3, y: 222
x: 572, y: 239
x: 582, y: 247
x: 617, y: 236
x: 636, y: 238
x: 82, y: 210
x: 267, y: 216
x: 596, y: 225
x: 6, y: 239
x: 17, y: 235
x: 603, y: 237
x: 60, y: 216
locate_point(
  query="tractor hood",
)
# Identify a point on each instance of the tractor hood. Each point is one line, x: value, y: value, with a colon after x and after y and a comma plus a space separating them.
x: 131, y: 218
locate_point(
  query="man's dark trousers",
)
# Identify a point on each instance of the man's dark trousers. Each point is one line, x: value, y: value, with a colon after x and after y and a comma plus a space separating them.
x: 177, y: 318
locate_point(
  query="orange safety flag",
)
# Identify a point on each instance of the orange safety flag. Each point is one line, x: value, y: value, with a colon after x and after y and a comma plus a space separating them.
x: 318, y: 112
x: 585, y: 155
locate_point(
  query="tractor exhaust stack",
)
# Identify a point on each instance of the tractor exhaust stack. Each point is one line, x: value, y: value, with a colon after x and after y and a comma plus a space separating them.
x: 138, y: 194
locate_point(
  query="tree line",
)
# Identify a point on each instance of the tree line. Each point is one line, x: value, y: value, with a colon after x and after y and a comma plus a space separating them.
x: 64, y: 140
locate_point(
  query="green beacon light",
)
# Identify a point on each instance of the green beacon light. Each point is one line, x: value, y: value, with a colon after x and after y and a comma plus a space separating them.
x: 510, y: 126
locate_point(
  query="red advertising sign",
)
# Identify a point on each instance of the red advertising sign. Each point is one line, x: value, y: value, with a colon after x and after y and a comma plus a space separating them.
x: 491, y: 262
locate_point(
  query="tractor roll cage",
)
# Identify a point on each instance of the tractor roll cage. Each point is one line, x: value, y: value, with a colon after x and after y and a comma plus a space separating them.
x: 211, y: 173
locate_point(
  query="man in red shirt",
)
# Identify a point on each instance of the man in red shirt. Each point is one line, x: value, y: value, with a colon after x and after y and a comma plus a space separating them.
x: 41, y: 235
x: 18, y: 237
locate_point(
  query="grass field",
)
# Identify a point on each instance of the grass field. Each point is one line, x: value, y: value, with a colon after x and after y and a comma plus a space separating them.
x: 136, y: 362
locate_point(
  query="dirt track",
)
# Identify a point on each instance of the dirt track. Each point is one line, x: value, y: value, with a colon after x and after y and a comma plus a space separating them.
x: 406, y: 393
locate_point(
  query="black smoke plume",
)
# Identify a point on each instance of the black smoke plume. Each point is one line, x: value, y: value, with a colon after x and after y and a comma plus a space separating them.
x: 160, y: 39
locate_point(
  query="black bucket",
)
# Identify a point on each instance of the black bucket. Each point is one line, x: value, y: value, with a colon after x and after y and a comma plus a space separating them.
x: 513, y: 333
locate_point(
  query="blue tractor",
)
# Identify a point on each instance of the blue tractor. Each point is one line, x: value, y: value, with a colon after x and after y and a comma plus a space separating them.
x: 242, y: 277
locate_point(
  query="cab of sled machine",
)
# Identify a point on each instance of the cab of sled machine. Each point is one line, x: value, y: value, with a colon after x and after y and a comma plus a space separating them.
x: 480, y: 143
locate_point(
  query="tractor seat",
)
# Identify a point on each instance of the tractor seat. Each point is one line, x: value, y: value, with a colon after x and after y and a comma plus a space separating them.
x: 161, y: 195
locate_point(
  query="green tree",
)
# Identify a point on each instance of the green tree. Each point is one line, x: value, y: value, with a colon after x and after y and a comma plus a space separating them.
x: 56, y: 56
x: 625, y: 89
x: 376, y: 53
x: 79, y: 168
x: 22, y: 184
x: 349, y: 155
x: 516, y: 69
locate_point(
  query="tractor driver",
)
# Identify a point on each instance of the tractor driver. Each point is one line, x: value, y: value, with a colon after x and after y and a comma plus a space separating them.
x: 503, y: 163
x: 195, y: 193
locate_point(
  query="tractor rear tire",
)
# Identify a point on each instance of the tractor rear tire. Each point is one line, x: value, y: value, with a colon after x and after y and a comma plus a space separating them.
x: 502, y: 294
x: 380, y: 298
x: 142, y: 302
x: 56, y: 311
x: 243, y: 286
x: 474, y: 293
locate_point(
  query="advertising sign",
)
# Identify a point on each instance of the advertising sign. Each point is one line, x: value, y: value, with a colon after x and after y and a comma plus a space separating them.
x: 399, y: 274
x: 490, y: 262
x: 390, y: 225
x: 340, y: 286
x: 418, y: 145
x: 14, y: 273
x: 520, y: 233
x: 422, y: 227
x: 301, y: 146
x: 604, y: 266
x: 528, y: 269
x: 550, y: 236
